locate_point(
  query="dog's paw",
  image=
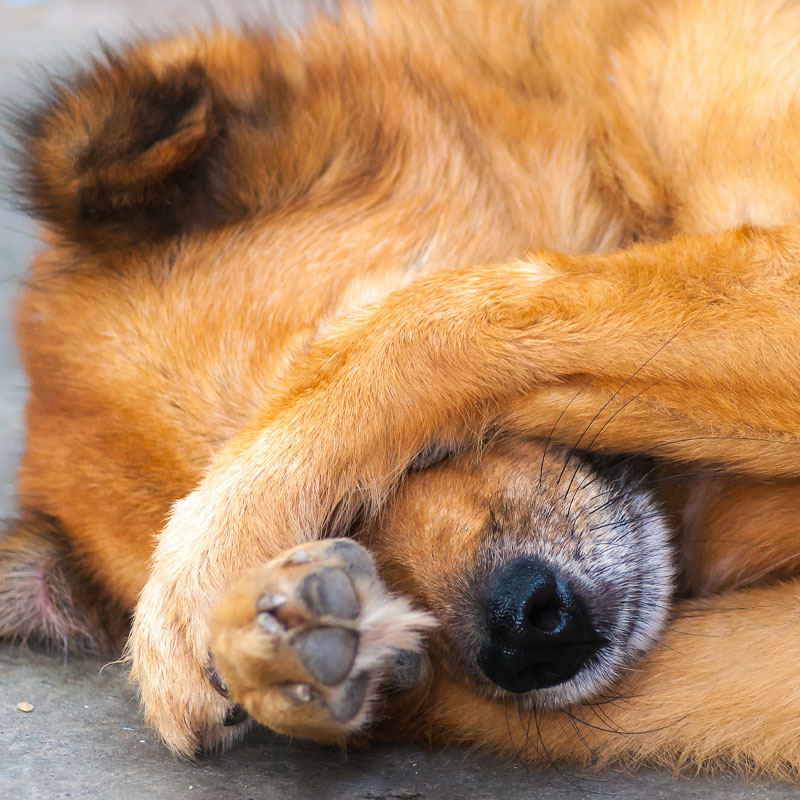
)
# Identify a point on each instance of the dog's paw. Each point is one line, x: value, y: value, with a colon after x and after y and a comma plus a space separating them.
x: 306, y: 642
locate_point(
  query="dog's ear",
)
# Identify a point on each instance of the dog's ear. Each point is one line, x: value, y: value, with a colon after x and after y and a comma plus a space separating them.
x: 191, y: 132
x: 122, y: 149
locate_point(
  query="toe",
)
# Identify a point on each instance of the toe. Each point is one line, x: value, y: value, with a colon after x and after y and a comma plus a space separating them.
x: 406, y: 671
x: 329, y: 592
x: 349, y: 699
x: 355, y: 556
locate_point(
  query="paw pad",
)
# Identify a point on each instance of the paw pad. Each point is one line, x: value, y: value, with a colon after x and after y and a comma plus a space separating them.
x: 328, y: 592
x: 327, y: 653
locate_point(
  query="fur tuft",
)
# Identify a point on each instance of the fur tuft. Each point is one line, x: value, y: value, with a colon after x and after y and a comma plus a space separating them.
x: 44, y: 597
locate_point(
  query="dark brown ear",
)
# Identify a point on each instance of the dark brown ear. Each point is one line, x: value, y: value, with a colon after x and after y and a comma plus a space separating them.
x: 122, y: 150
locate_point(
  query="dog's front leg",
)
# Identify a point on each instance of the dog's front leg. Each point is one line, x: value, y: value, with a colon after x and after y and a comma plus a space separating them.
x: 693, y: 341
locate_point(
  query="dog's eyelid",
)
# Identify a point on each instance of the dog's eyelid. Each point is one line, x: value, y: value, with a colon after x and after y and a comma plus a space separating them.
x: 431, y: 454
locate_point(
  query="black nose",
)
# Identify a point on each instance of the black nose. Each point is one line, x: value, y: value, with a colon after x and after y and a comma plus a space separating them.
x: 539, y: 631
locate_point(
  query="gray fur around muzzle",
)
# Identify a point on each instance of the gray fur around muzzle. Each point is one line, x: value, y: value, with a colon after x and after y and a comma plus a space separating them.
x: 571, y: 584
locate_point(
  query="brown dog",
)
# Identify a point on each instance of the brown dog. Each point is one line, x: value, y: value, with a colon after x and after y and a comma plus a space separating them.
x: 263, y: 297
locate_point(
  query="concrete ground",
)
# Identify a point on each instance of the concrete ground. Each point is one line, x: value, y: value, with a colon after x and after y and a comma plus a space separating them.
x: 84, y: 737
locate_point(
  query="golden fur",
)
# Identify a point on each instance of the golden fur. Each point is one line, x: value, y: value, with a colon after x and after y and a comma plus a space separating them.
x: 275, y: 270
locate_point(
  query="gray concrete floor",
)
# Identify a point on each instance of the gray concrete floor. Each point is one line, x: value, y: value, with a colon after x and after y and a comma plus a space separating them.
x: 85, y: 737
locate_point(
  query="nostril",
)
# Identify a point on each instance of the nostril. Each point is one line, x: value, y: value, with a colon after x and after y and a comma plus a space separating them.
x: 525, y: 600
x: 546, y: 617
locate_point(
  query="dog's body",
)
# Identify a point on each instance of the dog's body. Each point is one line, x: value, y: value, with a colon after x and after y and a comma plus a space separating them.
x: 256, y: 294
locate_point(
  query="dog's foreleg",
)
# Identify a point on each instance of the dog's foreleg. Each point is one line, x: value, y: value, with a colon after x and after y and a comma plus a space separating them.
x: 692, y: 345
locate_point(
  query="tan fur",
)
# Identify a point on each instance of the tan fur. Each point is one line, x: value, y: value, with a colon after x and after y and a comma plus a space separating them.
x: 275, y: 271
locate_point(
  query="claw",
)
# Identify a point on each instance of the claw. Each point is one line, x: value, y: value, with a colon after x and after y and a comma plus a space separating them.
x: 269, y: 602
x: 298, y: 557
x: 236, y: 715
x: 269, y: 623
x: 215, y: 680
x: 265, y: 605
x: 298, y: 693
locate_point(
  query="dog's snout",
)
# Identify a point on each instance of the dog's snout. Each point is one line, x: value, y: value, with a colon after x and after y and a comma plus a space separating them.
x: 539, y: 632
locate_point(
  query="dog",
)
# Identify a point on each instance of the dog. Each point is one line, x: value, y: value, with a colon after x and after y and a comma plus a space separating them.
x: 438, y: 360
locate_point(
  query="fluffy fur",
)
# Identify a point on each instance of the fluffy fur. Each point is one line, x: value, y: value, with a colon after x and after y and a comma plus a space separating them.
x: 275, y: 270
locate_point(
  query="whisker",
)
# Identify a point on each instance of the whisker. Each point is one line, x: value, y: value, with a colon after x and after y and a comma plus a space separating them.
x: 630, y: 520
x: 608, y: 421
x: 635, y: 490
x: 508, y: 728
x: 579, y: 734
x: 623, y: 385
x: 710, y: 470
x: 614, y: 699
x: 600, y: 713
x: 716, y: 610
x: 527, y: 729
x: 570, y: 779
x: 564, y: 411
x: 760, y: 439
x: 624, y: 732
x: 670, y: 629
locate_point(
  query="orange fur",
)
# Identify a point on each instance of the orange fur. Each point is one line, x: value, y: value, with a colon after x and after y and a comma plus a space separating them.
x: 274, y: 271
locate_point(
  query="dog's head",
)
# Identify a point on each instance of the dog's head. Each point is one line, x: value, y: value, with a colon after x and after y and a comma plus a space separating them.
x: 550, y: 572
